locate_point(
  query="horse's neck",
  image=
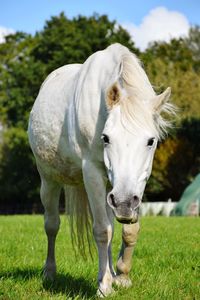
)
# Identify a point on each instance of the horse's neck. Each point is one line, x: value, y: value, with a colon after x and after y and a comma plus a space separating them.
x: 96, y: 74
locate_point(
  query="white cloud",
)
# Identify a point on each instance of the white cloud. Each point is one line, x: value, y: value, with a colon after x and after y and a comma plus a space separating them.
x: 160, y: 24
x: 3, y: 32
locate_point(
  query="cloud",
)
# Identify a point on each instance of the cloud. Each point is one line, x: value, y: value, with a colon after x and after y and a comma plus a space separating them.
x: 3, y: 32
x: 160, y: 24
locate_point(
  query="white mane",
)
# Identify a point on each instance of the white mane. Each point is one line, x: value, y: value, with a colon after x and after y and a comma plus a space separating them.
x: 137, y: 109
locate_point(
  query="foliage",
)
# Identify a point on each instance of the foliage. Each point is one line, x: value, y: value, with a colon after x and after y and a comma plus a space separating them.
x: 176, y: 162
x: 21, y: 79
x: 175, y: 53
x: 26, y: 60
x: 72, y: 41
x: 193, y: 43
x: 19, y: 182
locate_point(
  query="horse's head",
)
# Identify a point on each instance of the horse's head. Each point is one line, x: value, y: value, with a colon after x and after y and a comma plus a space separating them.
x: 130, y: 138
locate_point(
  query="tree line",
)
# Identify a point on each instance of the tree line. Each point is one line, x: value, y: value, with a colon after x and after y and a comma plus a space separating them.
x: 25, y: 61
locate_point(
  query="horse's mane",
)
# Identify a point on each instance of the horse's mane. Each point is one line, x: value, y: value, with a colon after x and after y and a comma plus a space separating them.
x: 135, y: 110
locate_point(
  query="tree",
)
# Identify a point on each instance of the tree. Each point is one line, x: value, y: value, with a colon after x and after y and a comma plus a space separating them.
x: 175, y: 53
x: 177, y: 159
x: 19, y: 181
x: 21, y: 78
x: 64, y: 41
x: 176, y: 163
x: 25, y: 61
x: 193, y: 43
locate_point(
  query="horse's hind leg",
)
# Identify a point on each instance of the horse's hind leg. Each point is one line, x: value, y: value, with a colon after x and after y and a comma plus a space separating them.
x: 129, y: 239
x: 50, y: 194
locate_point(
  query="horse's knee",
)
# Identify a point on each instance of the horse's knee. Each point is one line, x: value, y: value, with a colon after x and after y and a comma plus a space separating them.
x: 50, y: 194
x: 102, y: 234
x: 51, y: 224
x: 123, y: 267
x: 130, y: 233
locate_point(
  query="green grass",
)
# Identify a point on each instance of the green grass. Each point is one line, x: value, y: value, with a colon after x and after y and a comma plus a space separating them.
x: 166, y: 261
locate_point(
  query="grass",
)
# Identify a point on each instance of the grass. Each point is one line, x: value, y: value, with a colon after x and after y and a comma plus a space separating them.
x: 166, y: 261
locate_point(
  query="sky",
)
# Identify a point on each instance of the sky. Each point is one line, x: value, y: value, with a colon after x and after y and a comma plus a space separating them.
x: 146, y: 20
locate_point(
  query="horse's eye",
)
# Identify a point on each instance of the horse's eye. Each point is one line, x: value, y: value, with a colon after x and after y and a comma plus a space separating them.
x: 150, y: 142
x: 105, y: 138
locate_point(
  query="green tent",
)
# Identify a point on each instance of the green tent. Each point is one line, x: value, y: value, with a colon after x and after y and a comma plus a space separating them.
x: 189, y: 204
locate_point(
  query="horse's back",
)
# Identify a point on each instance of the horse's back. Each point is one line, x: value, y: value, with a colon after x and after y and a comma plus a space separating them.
x: 48, y: 125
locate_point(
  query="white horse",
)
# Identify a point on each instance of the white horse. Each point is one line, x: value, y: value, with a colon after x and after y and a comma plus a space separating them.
x: 94, y: 124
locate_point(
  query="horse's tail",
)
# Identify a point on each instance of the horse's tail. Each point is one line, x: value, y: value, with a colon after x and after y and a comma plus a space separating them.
x: 80, y: 218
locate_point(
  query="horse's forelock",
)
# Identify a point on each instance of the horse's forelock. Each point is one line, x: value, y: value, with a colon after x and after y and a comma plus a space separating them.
x: 137, y: 115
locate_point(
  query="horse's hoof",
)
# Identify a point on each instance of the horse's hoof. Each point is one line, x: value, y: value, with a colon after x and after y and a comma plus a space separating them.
x: 49, y: 273
x: 104, y: 291
x: 122, y: 280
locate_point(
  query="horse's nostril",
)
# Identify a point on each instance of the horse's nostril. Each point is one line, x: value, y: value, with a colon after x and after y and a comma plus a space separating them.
x: 129, y: 204
x: 136, y: 200
x: 112, y: 200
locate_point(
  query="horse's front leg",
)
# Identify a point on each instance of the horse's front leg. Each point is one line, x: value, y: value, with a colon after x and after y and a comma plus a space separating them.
x: 102, y: 226
x: 124, y: 264
x: 111, y: 218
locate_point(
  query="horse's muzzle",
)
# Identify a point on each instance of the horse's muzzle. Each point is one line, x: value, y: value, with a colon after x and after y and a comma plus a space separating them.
x: 127, y: 221
x: 127, y: 211
x: 131, y: 219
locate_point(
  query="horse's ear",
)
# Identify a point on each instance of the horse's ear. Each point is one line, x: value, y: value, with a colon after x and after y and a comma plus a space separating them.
x: 161, y: 99
x: 113, y: 95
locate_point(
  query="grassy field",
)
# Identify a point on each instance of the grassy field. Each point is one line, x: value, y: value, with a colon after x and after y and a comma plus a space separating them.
x: 166, y: 261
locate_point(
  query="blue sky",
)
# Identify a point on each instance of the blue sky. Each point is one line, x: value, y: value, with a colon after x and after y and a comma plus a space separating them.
x: 30, y: 15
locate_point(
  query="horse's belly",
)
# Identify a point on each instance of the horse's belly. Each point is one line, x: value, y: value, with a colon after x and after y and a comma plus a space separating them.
x: 54, y: 155
x: 48, y: 132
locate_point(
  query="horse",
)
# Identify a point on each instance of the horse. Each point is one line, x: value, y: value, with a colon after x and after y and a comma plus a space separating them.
x: 93, y: 130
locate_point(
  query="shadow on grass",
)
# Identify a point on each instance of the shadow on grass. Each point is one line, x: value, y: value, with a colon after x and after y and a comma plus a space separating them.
x: 70, y: 286
x: 18, y: 274
x: 63, y: 283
